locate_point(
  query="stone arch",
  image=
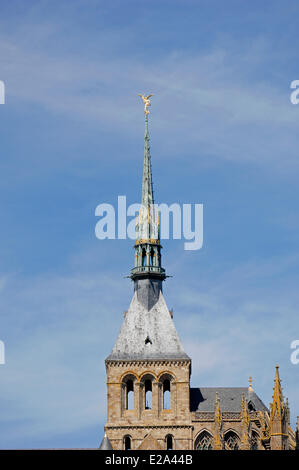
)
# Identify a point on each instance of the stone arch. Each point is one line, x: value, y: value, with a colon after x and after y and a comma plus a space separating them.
x: 204, y: 440
x: 166, y: 373
x: 231, y: 440
x: 166, y: 380
x: 148, y: 372
x: 129, y: 372
x: 254, y: 441
x: 146, y: 381
x: 128, y: 395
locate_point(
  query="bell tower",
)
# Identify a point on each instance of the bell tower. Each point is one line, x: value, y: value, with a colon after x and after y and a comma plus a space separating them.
x: 148, y: 371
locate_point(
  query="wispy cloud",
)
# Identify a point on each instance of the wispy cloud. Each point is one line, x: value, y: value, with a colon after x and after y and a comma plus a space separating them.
x: 60, y: 329
x: 225, y: 103
x: 57, y: 333
x: 208, y: 95
x: 243, y: 320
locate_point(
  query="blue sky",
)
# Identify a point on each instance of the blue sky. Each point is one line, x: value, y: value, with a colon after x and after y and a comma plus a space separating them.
x: 223, y: 133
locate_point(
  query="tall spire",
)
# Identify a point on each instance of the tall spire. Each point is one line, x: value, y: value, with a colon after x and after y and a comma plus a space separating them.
x: 279, y: 417
x: 147, y: 184
x: 218, y: 424
x: 277, y: 405
x: 245, y: 424
x: 147, y: 222
x: 148, y: 331
x: 147, y: 248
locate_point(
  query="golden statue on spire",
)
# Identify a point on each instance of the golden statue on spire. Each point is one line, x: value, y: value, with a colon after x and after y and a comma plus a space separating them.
x: 147, y: 103
x: 250, y: 388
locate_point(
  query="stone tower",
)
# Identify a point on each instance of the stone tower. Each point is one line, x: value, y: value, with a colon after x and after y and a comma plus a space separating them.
x: 148, y: 372
x: 149, y: 399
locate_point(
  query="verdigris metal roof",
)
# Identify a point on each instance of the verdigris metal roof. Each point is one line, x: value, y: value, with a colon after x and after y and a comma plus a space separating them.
x: 203, y: 399
x: 148, y: 334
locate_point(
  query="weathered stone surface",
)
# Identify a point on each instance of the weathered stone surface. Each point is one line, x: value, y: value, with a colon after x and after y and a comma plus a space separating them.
x: 148, y: 334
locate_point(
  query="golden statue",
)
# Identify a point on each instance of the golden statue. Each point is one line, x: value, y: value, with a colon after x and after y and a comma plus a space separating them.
x: 147, y: 102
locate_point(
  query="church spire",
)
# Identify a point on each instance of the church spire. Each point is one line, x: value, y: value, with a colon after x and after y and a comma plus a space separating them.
x: 279, y: 417
x: 245, y: 424
x: 277, y: 405
x: 147, y: 184
x: 147, y: 248
x: 218, y: 424
x: 147, y: 221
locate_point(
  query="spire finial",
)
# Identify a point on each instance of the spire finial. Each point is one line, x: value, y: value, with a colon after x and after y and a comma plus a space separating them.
x: 147, y: 247
x: 250, y: 388
x: 147, y: 103
x: 277, y: 404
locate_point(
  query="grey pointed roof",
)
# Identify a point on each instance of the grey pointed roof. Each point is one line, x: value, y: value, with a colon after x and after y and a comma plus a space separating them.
x: 148, y: 334
x: 105, y: 444
x: 203, y: 399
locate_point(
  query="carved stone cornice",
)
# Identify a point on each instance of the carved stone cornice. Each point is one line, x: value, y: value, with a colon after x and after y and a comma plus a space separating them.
x: 147, y: 362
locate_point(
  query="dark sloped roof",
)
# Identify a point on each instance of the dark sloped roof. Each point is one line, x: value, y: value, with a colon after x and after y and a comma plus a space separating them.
x: 105, y: 444
x: 203, y: 399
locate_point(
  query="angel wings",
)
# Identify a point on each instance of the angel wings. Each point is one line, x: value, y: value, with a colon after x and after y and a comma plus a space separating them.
x: 147, y: 103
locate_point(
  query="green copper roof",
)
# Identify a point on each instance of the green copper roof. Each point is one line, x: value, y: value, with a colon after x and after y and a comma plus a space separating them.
x: 148, y: 225
x: 147, y: 248
x: 147, y: 183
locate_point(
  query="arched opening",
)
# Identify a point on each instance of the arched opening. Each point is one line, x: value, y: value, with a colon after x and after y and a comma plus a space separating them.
x: 127, y: 443
x: 129, y: 395
x: 231, y: 441
x: 148, y: 394
x: 251, y: 406
x: 166, y: 394
x: 169, y: 442
x: 204, y: 441
x: 254, y: 444
x: 152, y: 257
x: 143, y: 257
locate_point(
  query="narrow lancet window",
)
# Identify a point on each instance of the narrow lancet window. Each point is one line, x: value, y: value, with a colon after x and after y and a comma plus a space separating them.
x: 169, y: 442
x: 148, y: 394
x: 127, y: 443
x: 166, y: 394
x: 130, y: 395
x: 152, y: 257
x: 143, y: 257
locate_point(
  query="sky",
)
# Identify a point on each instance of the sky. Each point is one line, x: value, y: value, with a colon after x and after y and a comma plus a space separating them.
x: 224, y: 134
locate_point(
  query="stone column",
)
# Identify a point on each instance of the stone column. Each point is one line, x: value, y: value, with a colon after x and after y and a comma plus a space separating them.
x: 155, y: 398
x: 139, y: 396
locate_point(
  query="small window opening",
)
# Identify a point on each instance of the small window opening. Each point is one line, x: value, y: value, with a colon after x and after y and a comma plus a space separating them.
x: 148, y: 394
x: 152, y: 257
x: 127, y: 443
x: 130, y: 395
x: 166, y: 394
x: 169, y: 442
x: 143, y: 257
x: 251, y: 406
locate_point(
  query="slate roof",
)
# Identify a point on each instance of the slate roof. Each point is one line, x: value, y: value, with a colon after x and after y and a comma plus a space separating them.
x: 148, y: 334
x: 105, y: 444
x: 203, y: 399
